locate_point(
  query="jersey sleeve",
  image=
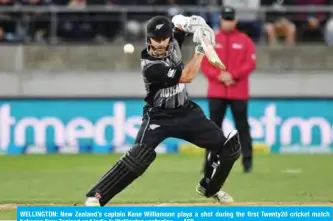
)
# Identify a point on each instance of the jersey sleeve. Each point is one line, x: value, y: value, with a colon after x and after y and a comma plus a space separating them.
x: 162, y: 75
x: 179, y: 36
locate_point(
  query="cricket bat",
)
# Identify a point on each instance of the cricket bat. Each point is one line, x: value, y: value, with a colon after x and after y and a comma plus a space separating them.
x: 210, y: 52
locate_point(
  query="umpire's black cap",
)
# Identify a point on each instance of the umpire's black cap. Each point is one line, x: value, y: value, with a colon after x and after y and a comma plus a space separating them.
x: 228, y: 13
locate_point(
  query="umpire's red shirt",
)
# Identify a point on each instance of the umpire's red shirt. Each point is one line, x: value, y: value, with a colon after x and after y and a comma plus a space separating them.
x: 237, y: 51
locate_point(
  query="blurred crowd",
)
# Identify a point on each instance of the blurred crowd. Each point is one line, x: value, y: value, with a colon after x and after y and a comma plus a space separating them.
x: 276, y: 25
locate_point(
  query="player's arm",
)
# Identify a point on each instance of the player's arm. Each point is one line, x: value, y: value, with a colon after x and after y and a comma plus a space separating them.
x: 165, y: 76
x: 179, y: 35
x: 162, y: 75
x: 180, y: 22
x: 192, y: 68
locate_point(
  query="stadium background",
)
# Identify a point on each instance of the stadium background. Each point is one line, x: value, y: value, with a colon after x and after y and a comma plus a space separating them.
x: 67, y: 88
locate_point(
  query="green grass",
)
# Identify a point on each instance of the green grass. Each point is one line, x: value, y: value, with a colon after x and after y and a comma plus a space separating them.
x: 8, y: 214
x: 172, y: 178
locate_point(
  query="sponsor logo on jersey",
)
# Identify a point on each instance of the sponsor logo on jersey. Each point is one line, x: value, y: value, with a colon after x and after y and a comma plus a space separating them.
x: 171, y: 73
x: 171, y: 91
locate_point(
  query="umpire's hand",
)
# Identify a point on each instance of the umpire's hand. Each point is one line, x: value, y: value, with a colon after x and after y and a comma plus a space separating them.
x: 226, y: 78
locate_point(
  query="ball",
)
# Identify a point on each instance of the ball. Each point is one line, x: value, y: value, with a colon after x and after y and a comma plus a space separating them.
x: 128, y: 49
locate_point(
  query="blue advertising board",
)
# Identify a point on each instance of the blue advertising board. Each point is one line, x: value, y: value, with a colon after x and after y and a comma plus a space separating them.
x: 283, y: 124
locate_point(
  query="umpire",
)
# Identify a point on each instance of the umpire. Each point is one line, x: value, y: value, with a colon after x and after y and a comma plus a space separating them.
x: 230, y: 88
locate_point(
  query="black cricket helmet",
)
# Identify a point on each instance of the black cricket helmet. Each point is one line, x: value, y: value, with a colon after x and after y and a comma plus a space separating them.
x: 160, y: 28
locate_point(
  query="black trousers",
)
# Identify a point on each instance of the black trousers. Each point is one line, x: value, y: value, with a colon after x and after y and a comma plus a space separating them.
x: 187, y: 123
x: 239, y: 110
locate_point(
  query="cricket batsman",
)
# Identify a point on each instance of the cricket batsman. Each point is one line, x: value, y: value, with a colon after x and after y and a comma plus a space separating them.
x: 169, y: 112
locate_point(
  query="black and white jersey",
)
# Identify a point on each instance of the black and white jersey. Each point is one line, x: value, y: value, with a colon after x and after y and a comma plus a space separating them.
x: 161, y: 77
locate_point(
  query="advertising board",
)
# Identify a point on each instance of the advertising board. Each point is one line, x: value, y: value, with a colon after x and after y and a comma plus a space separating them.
x: 285, y: 125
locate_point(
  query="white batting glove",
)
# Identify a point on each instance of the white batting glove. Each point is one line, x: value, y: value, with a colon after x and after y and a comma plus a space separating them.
x: 189, y: 24
x: 180, y: 21
x: 194, y: 23
x: 205, y: 31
